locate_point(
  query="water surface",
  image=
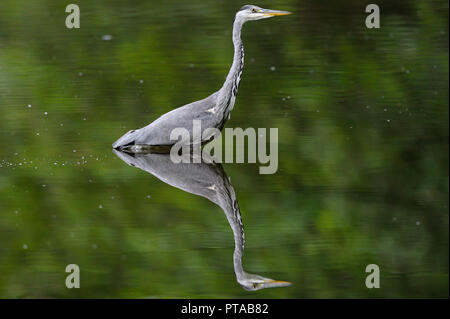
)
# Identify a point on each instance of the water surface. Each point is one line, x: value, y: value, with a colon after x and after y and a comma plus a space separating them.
x: 363, y: 129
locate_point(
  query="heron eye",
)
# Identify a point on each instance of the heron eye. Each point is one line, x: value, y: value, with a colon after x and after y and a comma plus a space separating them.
x: 253, y: 10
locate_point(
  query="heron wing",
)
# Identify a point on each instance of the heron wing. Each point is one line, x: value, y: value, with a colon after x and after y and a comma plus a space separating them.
x: 158, y: 132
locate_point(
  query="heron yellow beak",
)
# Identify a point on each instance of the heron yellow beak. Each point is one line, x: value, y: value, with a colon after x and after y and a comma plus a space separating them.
x: 276, y: 283
x: 273, y: 13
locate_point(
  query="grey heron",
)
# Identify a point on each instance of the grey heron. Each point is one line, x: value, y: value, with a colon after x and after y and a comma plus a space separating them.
x: 213, y: 111
x: 209, y: 180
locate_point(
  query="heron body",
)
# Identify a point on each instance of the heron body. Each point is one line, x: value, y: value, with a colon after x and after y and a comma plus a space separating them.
x: 214, y: 110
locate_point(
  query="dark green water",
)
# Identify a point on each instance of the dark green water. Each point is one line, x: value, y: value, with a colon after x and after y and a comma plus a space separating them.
x: 363, y: 129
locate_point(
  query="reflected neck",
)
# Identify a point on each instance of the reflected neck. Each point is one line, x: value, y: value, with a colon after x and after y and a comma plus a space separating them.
x: 233, y: 214
x: 225, y: 197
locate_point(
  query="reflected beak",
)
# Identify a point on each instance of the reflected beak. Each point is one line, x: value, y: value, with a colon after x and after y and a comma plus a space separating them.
x: 276, y: 283
x: 273, y: 13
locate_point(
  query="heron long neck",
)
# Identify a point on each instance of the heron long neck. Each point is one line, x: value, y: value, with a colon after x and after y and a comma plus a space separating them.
x: 225, y: 196
x: 235, y: 221
x: 228, y: 92
x: 228, y: 202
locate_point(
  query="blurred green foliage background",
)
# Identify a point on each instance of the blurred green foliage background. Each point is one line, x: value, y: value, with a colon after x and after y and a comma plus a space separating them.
x: 363, y: 128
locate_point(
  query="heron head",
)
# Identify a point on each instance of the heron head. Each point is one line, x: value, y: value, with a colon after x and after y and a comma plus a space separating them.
x: 251, y: 12
x: 253, y: 282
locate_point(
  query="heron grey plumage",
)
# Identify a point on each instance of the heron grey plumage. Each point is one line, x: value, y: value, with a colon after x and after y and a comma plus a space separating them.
x: 209, y: 180
x: 214, y: 110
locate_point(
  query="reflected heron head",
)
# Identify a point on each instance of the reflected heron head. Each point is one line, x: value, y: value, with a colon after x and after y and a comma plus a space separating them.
x: 253, y: 282
x: 251, y: 12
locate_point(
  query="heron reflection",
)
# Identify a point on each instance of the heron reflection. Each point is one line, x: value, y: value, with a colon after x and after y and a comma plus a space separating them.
x: 209, y: 180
